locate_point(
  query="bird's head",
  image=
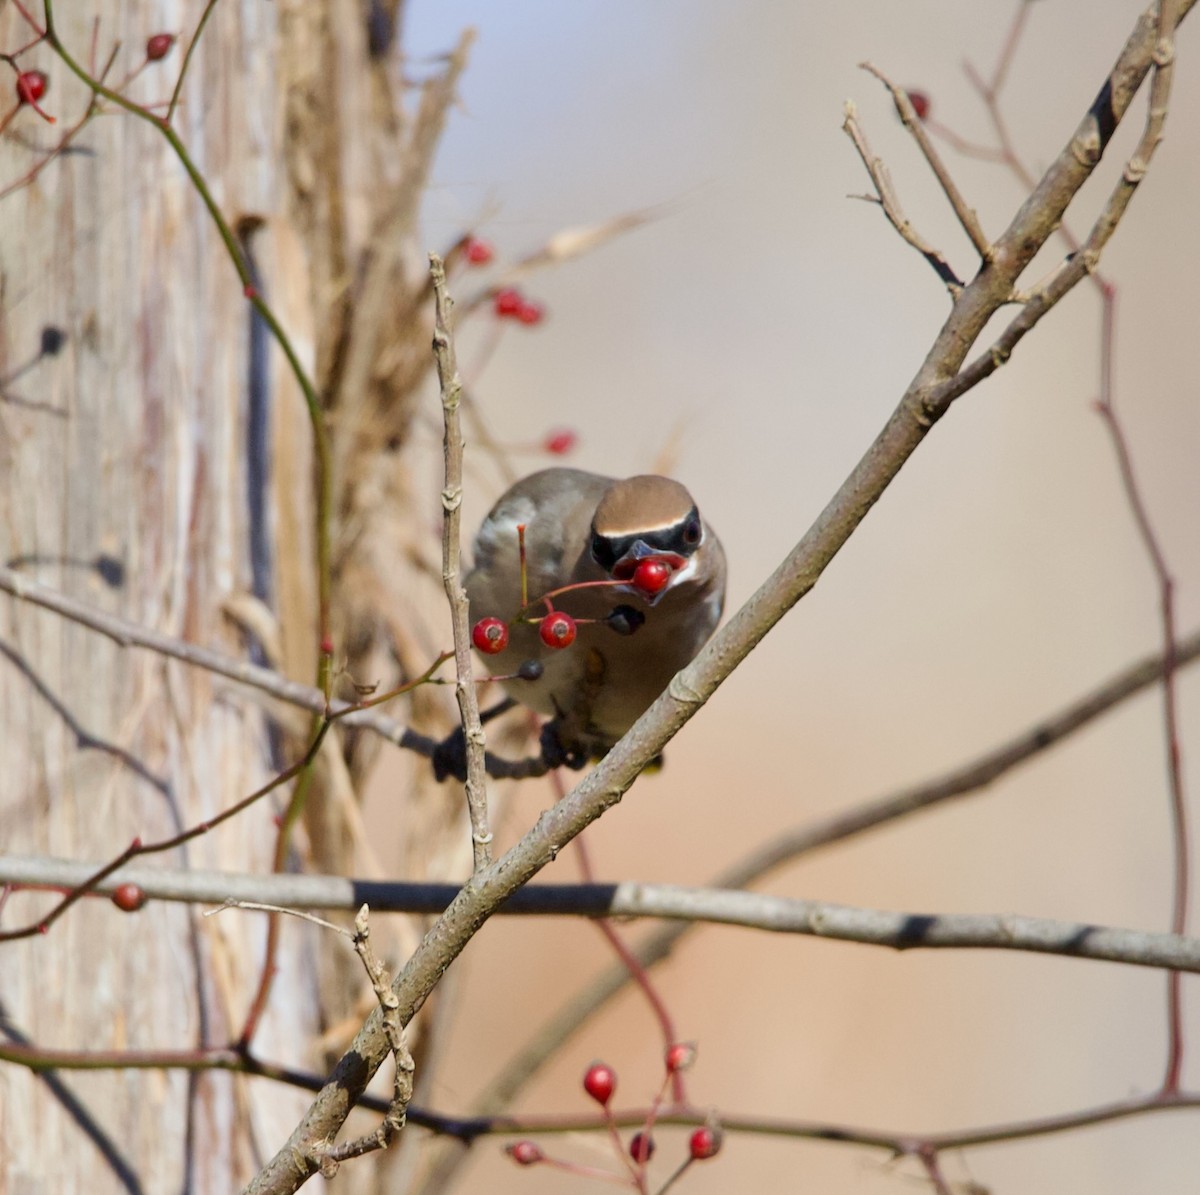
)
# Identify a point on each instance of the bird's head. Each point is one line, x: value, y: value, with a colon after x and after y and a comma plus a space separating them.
x: 647, y: 532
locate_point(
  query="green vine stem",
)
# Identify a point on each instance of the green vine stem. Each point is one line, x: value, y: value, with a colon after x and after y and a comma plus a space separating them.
x: 324, y: 494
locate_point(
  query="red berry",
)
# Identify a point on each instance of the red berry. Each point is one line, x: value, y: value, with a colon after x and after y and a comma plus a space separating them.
x: 128, y: 897
x: 704, y: 1142
x: 921, y: 103
x: 651, y: 575
x: 560, y: 442
x: 159, y: 46
x: 508, y: 301
x: 530, y: 312
x: 680, y: 1057
x: 641, y: 1148
x: 31, y: 86
x: 490, y: 635
x: 600, y: 1082
x: 524, y: 1153
x: 478, y: 251
x: 557, y: 629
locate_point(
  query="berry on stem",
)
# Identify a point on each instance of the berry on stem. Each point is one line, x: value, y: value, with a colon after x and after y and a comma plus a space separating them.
x: 530, y: 312
x: 921, y: 103
x: 531, y: 670
x: 600, y: 1082
x: 641, y: 1148
x: 560, y: 442
x: 31, y: 86
x: 625, y: 619
x: 680, y: 1056
x: 704, y: 1142
x: 651, y: 576
x: 490, y: 635
x: 524, y: 1153
x: 478, y: 252
x: 159, y: 46
x: 557, y: 630
x: 508, y: 301
x: 128, y: 897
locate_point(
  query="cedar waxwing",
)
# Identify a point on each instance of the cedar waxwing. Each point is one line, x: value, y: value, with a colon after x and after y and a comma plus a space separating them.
x: 580, y: 528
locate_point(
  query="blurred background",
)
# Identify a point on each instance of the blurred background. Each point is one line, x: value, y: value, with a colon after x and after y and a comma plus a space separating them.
x: 755, y: 335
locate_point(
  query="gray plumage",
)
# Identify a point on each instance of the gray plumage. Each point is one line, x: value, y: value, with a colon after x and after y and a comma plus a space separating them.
x: 599, y: 686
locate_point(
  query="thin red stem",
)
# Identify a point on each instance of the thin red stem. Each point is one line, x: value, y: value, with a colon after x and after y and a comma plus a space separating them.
x: 629, y: 959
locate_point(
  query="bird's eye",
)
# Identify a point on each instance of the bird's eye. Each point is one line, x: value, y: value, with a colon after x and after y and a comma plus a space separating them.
x: 691, y: 532
x: 598, y: 546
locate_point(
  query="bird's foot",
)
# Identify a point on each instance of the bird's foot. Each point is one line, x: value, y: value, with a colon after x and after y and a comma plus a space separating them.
x: 449, y: 757
x: 557, y: 754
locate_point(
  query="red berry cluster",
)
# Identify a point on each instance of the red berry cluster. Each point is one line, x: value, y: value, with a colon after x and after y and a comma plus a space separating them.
x: 510, y: 303
x: 557, y: 629
x: 600, y: 1083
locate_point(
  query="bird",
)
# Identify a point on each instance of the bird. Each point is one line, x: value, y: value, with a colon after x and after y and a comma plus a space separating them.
x: 651, y: 577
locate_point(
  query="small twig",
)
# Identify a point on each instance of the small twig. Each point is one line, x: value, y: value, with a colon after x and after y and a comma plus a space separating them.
x: 187, y: 59
x: 1164, y: 59
x: 891, y: 205
x: 452, y: 493
x: 258, y: 906
x: 357, y: 713
x: 933, y: 1169
x: 402, y: 1084
x: 966, y: 214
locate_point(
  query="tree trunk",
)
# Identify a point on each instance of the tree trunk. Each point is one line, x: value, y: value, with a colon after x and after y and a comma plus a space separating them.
x: 160, y: 467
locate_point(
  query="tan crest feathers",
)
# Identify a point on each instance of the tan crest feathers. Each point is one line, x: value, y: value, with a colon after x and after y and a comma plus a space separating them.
x: 639, y: 504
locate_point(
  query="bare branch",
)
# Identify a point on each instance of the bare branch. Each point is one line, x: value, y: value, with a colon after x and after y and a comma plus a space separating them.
x: 887, y: 200
x: 965, y: 213
x: 402, y: 1084
x: 131, y: 634
x: 751, y: 910
x: 452, y: 495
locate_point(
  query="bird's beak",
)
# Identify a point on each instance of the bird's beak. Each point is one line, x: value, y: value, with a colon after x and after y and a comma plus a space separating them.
x: 626, y: 566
